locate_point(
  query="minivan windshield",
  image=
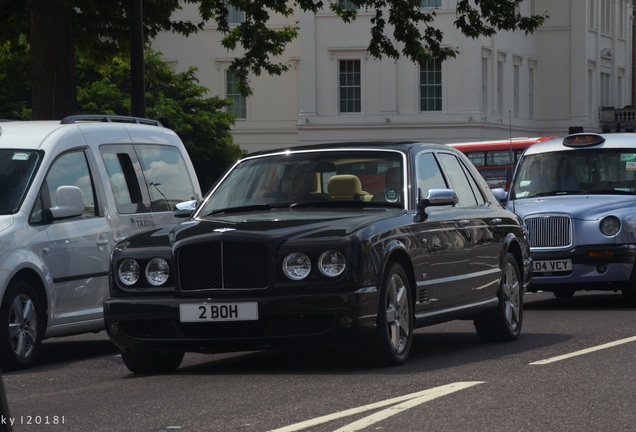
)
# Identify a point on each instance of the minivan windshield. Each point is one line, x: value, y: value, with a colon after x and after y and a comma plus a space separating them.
x: 17, y: 167
x: 585, y: 171
x: 310, y: 178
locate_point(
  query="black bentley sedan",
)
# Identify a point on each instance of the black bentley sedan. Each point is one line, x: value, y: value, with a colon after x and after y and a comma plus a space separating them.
x: 348, y: 242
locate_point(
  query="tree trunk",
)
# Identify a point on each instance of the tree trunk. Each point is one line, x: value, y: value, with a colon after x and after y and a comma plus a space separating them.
x: 54, y: 93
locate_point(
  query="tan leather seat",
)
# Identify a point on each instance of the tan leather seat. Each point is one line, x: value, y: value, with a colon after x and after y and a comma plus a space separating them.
x: 346, y: 187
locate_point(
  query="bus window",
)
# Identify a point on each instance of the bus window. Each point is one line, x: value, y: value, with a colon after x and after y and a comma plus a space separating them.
x: 496, y: 160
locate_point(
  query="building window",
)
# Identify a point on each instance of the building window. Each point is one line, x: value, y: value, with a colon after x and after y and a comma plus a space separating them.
x: 622, y: 8
x: 349, y: 84
x: 235, y: 15
x: 500, y: 89
x: 431, y: 86
x: 531, y: 93
x: 606, y: 99
x: 606, y: 16
x: 515, y: 108
x: 484, y: 85
x: 238, y: 102
x: 347, y: 5
x: 430, y: 3
x: 592, y: 14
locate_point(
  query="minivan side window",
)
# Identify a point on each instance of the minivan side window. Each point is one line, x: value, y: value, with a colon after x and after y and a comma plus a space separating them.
x: 147, y: 177
x: 70, y: 169
x: 166, y: 175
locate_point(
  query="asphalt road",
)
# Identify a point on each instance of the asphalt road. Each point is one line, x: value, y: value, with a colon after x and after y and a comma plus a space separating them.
x: 572, y: 369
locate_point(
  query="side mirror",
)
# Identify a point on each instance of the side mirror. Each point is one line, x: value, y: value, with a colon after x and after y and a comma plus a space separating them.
x: 70, y: 203
x: 185, y: 209
x: 500, y: 194
x: 438, y: 197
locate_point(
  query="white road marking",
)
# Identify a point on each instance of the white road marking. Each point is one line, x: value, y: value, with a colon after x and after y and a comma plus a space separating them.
x: 585, y: 351
x: 409, y: 400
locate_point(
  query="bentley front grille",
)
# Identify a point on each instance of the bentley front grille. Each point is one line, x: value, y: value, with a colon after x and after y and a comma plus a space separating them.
x: 549, y: 231
x: 223, y: 265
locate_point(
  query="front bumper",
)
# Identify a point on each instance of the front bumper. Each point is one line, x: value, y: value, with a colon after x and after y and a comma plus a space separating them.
x: 154, y: 323
x: 602, y: 266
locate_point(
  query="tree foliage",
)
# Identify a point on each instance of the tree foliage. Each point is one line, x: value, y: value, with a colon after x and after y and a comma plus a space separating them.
x: 175, y: 99
x: 55, y: 29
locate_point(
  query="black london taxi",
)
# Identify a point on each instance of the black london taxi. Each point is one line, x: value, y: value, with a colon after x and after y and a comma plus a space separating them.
x: 346, y: 242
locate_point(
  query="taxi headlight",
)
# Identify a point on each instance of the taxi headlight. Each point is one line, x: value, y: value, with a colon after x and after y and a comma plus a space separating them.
x: 332, y: 263
x: 296, y: 266
x: 157, y: 271
x: 128, y: 272
x: 610, y: 226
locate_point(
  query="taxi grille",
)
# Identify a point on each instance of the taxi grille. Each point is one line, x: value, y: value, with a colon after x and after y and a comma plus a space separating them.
x: 223, y: 265
x: 549, y: 231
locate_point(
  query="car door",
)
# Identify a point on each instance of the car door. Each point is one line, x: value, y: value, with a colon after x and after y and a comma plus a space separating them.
x: 479, y: 263
x: 76, y: 250
x: 445, y: 243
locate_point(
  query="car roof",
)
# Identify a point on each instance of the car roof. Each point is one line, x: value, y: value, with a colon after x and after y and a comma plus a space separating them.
x: 356, y: 145
x: 607, y: 140
x: 34, y: 134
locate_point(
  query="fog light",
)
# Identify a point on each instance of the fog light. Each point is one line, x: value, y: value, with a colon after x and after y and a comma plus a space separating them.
x: 345, y: 322
x: 601, y: 268
x: 113, y: 329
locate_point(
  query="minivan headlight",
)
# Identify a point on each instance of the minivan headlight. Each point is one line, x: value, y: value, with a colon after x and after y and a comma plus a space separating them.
x: 128, y: 272
x: 296, y: 266
x: 332, y: 263
x: 157, y: 271
x: 610, y: 226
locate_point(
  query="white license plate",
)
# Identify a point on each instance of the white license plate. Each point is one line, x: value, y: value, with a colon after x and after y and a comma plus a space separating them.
x: 202, y: 312
x: 553, y: 266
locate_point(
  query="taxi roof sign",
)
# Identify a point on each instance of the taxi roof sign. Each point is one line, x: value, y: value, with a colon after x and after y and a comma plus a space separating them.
x: 583, y: 140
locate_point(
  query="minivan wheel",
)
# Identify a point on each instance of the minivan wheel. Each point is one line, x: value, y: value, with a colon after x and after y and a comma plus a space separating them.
x: 394, y: 334
x: 152, y: 362
x: 22, y: 321
x: 504, y: 323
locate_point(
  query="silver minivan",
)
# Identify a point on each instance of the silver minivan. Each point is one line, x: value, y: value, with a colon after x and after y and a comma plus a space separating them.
x: 70, y: 191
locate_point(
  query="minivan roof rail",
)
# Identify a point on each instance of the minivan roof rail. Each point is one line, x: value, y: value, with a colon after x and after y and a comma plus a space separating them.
x: 106, y: 118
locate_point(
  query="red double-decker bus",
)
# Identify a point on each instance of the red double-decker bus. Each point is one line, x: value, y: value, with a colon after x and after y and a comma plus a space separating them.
x: 496, y: 160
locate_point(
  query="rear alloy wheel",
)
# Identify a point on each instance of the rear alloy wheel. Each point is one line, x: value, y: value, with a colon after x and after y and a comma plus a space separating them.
x: 22, y: 321
x: 395, y: 318
x: 152, y: 362
x: 504, y: 323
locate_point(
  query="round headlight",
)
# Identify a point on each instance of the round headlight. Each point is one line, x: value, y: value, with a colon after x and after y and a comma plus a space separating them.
x: 128, y: 272
x: 332, y: 263
x: 610, y: 226
x: 157, y: 271
x: 296, y: 266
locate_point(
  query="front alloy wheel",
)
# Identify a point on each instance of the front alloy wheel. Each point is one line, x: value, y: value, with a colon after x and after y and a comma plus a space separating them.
x: 22, y: 318
x: 395, y: 318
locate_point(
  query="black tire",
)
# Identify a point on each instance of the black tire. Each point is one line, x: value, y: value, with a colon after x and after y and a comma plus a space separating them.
x: 152, y: 362
x: 21, y: 326
x: 504, y: 323
x: 628, y: 290
x: 394, y: 335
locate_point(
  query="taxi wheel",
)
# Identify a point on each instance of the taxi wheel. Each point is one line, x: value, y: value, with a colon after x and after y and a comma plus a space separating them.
x: 394, y: 334
x: 22, y: 321
x: 152, y: 362
x: 504, y: 323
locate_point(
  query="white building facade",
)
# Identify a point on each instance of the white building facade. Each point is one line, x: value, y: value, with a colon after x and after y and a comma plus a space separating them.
x: 509, y: 85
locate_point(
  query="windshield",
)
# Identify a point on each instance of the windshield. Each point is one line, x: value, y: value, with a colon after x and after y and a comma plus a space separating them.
x: 311, y: 178
x: 589, y: 171
x: 16, y: 170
